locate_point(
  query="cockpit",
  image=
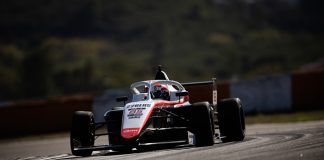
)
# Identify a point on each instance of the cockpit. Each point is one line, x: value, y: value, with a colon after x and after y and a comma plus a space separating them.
x: 157, y: 89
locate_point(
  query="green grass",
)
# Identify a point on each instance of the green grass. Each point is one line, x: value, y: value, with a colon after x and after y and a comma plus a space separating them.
x: 285, y: 117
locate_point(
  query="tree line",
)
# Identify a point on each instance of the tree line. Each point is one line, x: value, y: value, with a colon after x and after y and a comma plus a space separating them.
x: 57, y: 47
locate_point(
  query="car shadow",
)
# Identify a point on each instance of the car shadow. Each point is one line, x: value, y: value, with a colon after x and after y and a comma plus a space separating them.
x: 217, y: 143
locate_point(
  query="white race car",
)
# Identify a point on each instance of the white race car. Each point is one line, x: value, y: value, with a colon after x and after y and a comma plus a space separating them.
x: 160, y: 113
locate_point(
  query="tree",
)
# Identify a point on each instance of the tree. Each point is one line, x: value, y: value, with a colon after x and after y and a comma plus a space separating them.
x: 37, y: 74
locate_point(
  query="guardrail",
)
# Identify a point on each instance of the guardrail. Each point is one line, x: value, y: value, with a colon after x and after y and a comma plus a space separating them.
x: 281, y: 93
x: 41, y: 116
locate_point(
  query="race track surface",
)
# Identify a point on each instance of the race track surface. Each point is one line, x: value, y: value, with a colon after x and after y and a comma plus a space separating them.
x: 266, y: 141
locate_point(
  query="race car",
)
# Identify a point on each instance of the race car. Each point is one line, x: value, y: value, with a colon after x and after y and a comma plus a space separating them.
x: 160, y: 112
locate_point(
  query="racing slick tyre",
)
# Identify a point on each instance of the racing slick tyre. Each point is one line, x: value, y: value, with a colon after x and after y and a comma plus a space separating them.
x: 114, y: 122
x: 201, y: 123
x: 231, y: 120
x: 82, y: 133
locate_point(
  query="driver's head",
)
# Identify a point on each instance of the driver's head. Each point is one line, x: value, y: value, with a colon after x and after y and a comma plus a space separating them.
x: 160, y: 91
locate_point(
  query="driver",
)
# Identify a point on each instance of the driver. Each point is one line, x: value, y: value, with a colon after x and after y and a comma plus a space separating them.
x: 160, y: 91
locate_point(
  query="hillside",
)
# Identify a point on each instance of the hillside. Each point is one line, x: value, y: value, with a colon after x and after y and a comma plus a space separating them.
x: 56, y: 47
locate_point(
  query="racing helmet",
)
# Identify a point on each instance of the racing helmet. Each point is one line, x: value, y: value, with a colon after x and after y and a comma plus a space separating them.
x: 160, y: 91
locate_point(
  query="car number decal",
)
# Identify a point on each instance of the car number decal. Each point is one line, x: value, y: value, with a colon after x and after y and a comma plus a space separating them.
x: 135, y: 113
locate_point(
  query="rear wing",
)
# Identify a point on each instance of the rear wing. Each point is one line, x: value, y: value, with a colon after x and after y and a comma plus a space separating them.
x: 202, y: 91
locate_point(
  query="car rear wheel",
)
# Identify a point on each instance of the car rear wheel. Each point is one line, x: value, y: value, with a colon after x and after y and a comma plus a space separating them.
x: 231, y: 120
x: 82, y: 133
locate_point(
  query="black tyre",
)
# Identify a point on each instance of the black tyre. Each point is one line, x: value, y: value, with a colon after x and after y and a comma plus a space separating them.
x: 82, y: 132
x: 201, y: 123
x: 114, y: 122
x: 231, y: 120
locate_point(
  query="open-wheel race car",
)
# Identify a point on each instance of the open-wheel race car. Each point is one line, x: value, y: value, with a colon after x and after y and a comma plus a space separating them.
x: 161, y: 113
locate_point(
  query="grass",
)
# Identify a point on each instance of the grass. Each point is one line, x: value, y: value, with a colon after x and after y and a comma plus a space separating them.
x: 285, y: 117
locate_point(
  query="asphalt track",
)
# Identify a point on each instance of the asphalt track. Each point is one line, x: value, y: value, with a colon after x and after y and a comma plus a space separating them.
x: 266, y: 141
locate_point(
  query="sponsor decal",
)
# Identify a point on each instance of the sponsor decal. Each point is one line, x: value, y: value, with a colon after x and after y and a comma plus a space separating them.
x: 214, y: 97
x: 130, y: 132
x: 138, y: 106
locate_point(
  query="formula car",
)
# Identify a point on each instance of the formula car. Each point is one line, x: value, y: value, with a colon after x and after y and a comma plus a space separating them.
x: 161, y: 112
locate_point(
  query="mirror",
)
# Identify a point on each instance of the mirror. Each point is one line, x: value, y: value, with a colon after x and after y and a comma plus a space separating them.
x: 122, y: 99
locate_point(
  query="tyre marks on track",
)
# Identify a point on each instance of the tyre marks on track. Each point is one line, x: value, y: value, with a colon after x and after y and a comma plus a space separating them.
x: 53, y: 157
x: 303, y: 143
